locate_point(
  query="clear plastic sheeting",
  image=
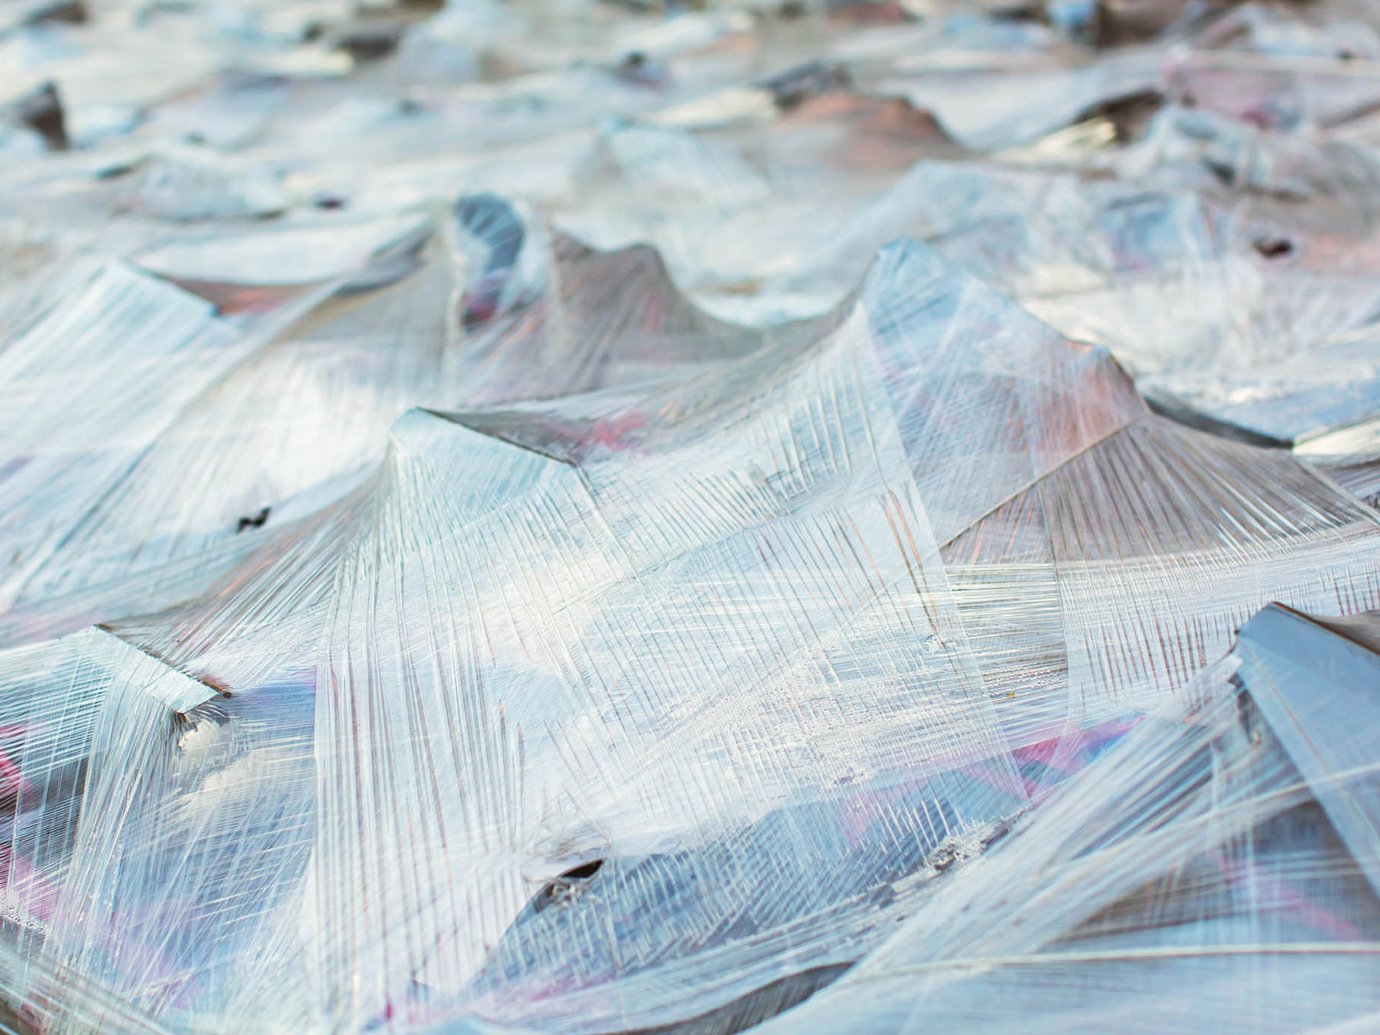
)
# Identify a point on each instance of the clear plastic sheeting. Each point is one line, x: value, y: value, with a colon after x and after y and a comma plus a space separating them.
x: 1218, y: 861
x: 563, y: 516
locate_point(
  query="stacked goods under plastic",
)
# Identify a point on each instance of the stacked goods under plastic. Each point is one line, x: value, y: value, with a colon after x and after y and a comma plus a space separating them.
x: 562, y: 516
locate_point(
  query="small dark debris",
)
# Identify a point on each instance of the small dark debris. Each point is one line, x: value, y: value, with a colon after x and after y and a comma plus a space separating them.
x: 41, y: 111
x: 257, y: 521
x: 1223, y: 172
x: 795, y: 85
x: 1273, y: 247
x: 366, y: 43
x: 638, y: 67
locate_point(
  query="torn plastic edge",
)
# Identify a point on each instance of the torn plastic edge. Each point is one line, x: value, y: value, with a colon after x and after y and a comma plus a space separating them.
x: 1329, y: 681
x: 182, y: 693
x: 1180, y: 412
x: 418, y: 426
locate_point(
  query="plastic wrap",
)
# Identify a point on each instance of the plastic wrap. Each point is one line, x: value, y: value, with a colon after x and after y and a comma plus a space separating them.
x: 1213, y: 863
x: 557, y: 516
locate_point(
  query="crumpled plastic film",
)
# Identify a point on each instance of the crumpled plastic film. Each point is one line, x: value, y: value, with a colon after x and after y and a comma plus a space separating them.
x: 586, y: 517
x: 1223, y: 849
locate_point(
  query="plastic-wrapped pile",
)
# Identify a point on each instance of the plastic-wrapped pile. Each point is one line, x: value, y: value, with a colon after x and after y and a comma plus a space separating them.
x: 581, y: 517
